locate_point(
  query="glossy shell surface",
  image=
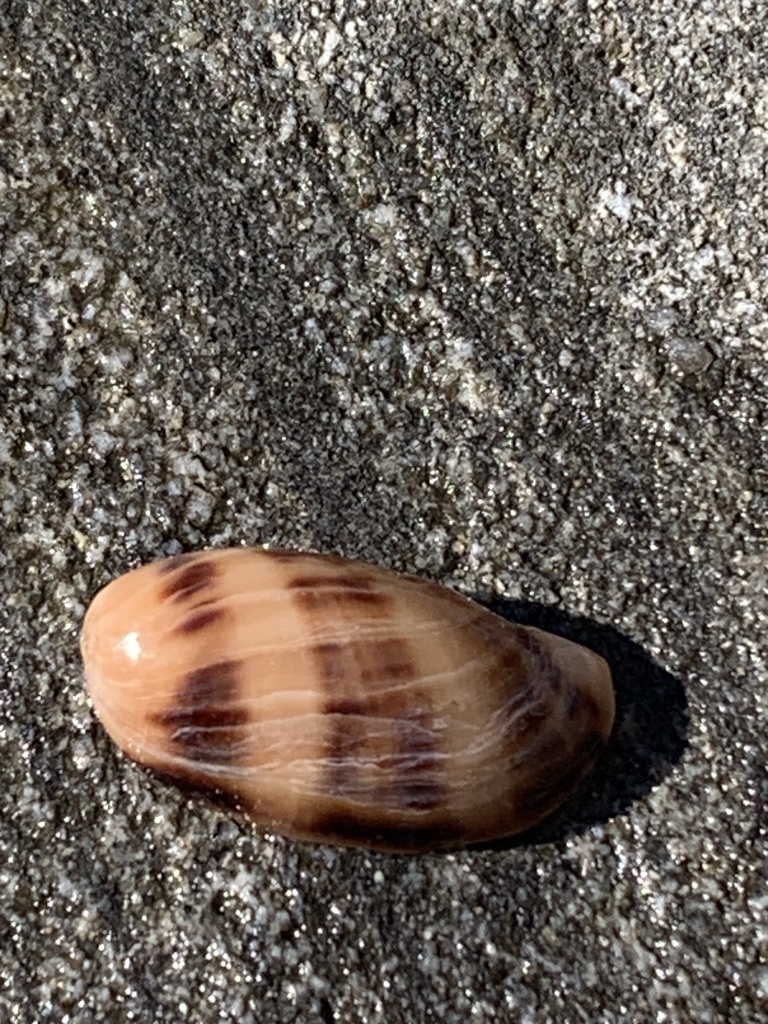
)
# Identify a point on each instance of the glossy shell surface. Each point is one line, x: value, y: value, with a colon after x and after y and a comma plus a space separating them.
x: 340, y: 702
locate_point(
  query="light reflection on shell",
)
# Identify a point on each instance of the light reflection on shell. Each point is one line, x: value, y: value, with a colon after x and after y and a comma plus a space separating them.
x: 340, y: 702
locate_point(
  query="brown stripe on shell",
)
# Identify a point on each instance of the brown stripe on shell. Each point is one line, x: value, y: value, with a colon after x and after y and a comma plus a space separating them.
x: 391, y: 661
x: 534, y: 684
x: 201, y: 619
x: 351, y: 589
x: 191, y: 580
x: 381, y: 743
x: 207, y: 721
x: 345, y: 745
x: 339, y: 581
x: 331, y: 659
x: 363, y: 720
x: 547, y: 673
x: 344, y: 707
x: 416, y: 782
x: 399, y: 741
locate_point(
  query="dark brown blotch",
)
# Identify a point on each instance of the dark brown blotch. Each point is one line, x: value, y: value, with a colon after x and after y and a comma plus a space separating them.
x: 546, y: 672
x: 191, y: 580
x: 200, y: 620
x: 365, y: 598
x: 346, y: 745
x: 326, y: 591
x: 387, y: 661
x: 331, y: 660
x: 510, y: 662
x: 416, y: 782
x: 345, y: 706
x: 207, y: 721
x: 526, y: 639
x: 336, y: 581
x: 215, y: 683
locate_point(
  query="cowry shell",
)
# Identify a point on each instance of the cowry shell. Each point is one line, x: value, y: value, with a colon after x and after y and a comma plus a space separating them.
x: 339, y: 702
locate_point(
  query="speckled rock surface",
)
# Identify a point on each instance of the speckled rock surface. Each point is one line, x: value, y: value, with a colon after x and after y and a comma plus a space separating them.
x: 476, y: 291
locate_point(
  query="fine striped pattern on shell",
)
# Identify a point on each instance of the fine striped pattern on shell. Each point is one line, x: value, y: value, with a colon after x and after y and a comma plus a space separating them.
x: 340, y: 702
